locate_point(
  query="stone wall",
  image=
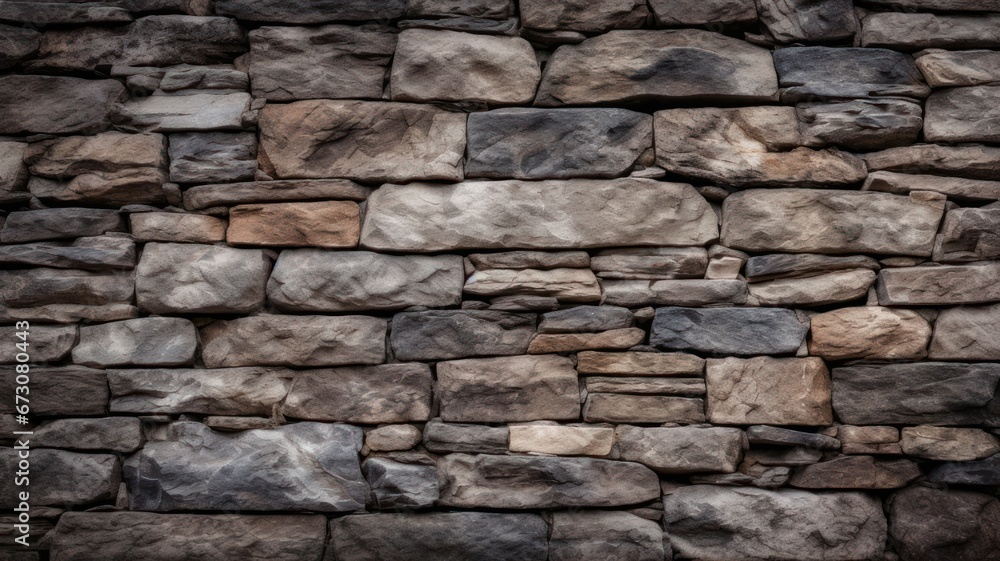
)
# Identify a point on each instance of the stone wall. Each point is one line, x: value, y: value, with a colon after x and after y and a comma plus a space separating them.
x: 559, y: 280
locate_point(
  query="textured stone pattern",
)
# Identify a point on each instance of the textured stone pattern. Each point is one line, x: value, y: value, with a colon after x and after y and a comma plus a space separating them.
x: 502, y: 280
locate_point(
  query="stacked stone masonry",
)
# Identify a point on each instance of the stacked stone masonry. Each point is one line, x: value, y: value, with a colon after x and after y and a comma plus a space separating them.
x: 502, y: 280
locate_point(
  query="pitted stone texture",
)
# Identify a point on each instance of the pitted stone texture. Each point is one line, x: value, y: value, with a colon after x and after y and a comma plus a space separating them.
x: 968, y: 234
x: 671, y: 13
x: 942, y: 285
x: 332, y: 224
x: 95, y: 253
x: 365, y: 140
x: 566, y: 285
x: 679, y: 450
x: 180, y: 113
x: 290, y: 190
x: 186, y: 278
x: 920, y: 393
x: 747, y: 147
x: 793, y: 21
x: 497, y: 390
x: 313, y: 280
x: 653, y: 263
x: 222, y: 78
x: 969, y: 161
x: 764, y: 390
x: 59, y: 478
x: 778, y: 265
x: 57, y: 105
x: 821, y: 221
x: 963, y: 115
x: 333, y: 61
x: 584, y: 16
x: 70, y: 390
x: 310, y: 11
x: 948, y: 444
x: 578, y: 213
x: 98, y: 536
x: 856, y: 472
x: 561, y: 440
x: 19, y: 43
x: 453, y: 437
x: 275, y: 340
x: 49, y: 343
x: 807, y: 72
x: 861, y: 124
x: 304, y: 466
x: 965, y: 333
x: 657, y: 66
x: 443, y: 536
x: 734, y: 524
x: 592, y: 535
x: 176, y: 227
x: 640, y: 364
x: 957, y: 188
x: 224, y: 391
x: 737, y: 331
x: 212, y: 157
x: 581, y: 319
x: 447, y: 65
x: 914, y: 31
x: 869, y: 332
x: 118, y: 434
x: 656, y: 409
x: 927, y: 524
x: 527, y: 143
x: 42, y: 288
x: 450, y: 334
x: 137, y: 342
x: 388, y: 393
x: 399, y: 485
x: 817, y: 290
x: 533, y: 482
x: 944, y: 69
x: 59, y: 224
x: 682, y: 292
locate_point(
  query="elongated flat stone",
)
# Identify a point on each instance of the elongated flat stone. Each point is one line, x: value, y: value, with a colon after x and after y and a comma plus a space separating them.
x: 605, y: 535
x: 176, y: 227
x: 944, y: 69
x: 979, y: 472
x: 942, y: 285
x: 861, y: 124
x: 388, y: 393
x: 454, y: 437
x: 943, y: 5
x: 807, y: 72
x: 778, y: 265
x: 485, y: 215
x: 963, y: 333
x: 670, y: 13
x: 679, y: 450
x: 915, y: 31
x: 869, y: 332
x: 59, y: 223
x: 954, y: 187
x: 972, y: 161
x: 571, y: 342
x: 531, y: 260
x: 765, y: 390
x: 149, y: 341
x: 583, y: 16
x: 566, y: 285
x: 179, y: 113
x: 582, y: 319
x: 228, y: 194
x: 49, y: 343
x: 817, y: 290
x: 793, y: 21
x: 118, y: 434
x: 225, y: 391
x: 450, y: 334
x: 94, y: 253
x: 777, y: 436
x: 856, y: 472
x: 57, y: 105
x: 332, y: 224
x: 310, y: 11
x: 737, y: 331
x: 963, y: 115
x: 682, y: 292
x: 64, y: 391
x: 313, y: 280
x: 804, y: 221
x: 948, y: 444
x: 654, y: 263
x: 61, y: 478
x: 639, y: 364
x: 645, y: 385
x: 28, y: 288
x: 653, y: 409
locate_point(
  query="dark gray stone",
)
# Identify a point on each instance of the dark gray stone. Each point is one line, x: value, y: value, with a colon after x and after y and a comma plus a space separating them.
x: 847, y: 72
x: 19, y: 43
x: 388, y: 393
x: 728, y: 331
x: 92, y: 253
x: 151, y: 341
x: 230, y: 194
x: 683, y: 292
x: 583, y: 15
x: 57, y: 104
x: 442, y: 536
x: 794, y: 21
x: 671, y: 13
x: 978, y: 472
x: 777, y: 436
x: 63, y: 479
x: 49, y: 343
x: 455, y: 437
x: 450, y: 334
x: 71, y: 390
x: 302, y: 466
x: 401, y: 485
x: 916, y: 31
x: 212, y: 157
x: 927, y: 524
x: 484, y: 26
x: 310, y: 11
x: 117, y: 434
x: 596, y: 535
x: 856, y: 472
x: 581, y: 319
x: 917, y: 393
x: 58, y: 224
x: 524, y: 143
x: 783, y: 265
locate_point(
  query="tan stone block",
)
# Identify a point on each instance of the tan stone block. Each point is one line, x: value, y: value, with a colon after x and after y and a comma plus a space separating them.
x: 320, y: 224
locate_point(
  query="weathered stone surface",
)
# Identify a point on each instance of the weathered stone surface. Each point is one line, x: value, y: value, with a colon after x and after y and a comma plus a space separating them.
x: 110, y: 169
x: 567, y: 285
x: 13, y: 172
x: 818, y: 290
x: 861, y: 124
x: 980, y: 472
x: 303, y: 466
x: 102, y: 252
x: 212, y: 157
x: 521, y: 482
x: 943, y: 69
x: 118, y: 434
x: 222, y: 78
x: 393, y: 437
x: 310, y: 11
x: 57, y: 104
x: 137, y: 342
x: 49, y: 343
x: 453, y: 437
x: 398, y: 485
x: 948, y: 444
x: 678, y: 450
x: 806, y: 72
x: 966, y: 333
x: 763, y: 434
x: 778, y: 265
x: 586, y: 319
x: 943, y: 5
x: 912, y: 32
x: 683, y: 292
x: 507, y: 27
x: 58, y: 223
x: 585, y: 535
x: 763, y: 477
x: 764, y: 390
x: 747, y: 147
x: 688, y: 12
x: 640, y: 364
x: 645, y: 385
x: 577, y: 213
x: 333, y: 61
x: 531, y: 260
x: 869, y: 440
x: 454, y: 66
x: 821, y: 221
x: 30, y: 288
x: 97, y: 536
x: 206, y: 196
x: 60, y: 478
x: 275, y: 340
x: 70, y: 390
x: 918, y: 393
x: 388, y: 393
x: 623, y: 408
x: 227, y: 391
x: 561, y: 440
x: 19, y: 43
x: 869, y: 332
x: 312, y: 280
x: 968, y: 234
x: 654, y: 263
x: 733, y: 524
x: 657, y: 66
x: 522, y: 388
x: 176, y: 227
x: 334, y: 224
x: 365, y: 140
x: 579, y: 15
x: 963, y: 115
x: 444, y: 536
x: 489, y: 9
x: 189, y: 278
x: 970, y: 161
x: 792, y: 21
x: 789, y: 456
x: 856, y: 472
x: 945, y: 284
x: 449, y: 334
x: 736, y: 331
x: 928, y: 524
x: 525, y: 143
x: 178, y: 113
